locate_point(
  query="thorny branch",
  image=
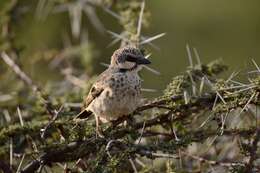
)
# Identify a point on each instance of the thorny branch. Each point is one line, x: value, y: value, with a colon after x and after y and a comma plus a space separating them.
x: 189, y: 97
x: 120, y: 133
x: 28, y: 81
x: 177, y: 112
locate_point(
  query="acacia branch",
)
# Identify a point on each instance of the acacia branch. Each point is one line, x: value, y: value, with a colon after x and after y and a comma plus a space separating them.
x: 29, y: 82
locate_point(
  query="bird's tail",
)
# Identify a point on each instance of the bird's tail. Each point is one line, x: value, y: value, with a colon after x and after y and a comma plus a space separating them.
x: 84, y: 114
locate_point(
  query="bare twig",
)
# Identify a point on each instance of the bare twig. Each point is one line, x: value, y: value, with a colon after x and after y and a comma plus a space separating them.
x: 213, y: 162
x: 44, y: 131
x: 189, y: 55
x: 148, y: 40
x: 19, y: 72
x: 20, y: 164
x: 140, y: 19
x: 133, y: 165
x: 20, y: 116
x: 11, y: 151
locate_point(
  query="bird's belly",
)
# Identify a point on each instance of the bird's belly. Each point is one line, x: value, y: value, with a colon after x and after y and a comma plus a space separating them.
x: 115, y: 104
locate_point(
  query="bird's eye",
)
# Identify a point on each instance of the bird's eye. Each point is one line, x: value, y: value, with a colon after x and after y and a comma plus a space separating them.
x: 131, y: 58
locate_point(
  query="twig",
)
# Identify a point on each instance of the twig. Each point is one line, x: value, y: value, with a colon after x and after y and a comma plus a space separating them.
x: 44, y: 131
x: 148, y: 40
x: 213, y: 162
x: 152, y: 70
x: 189, y: 55
x: 142, y: 132
x: 162, y: 155
x: 28, y: 81
x: 197, y: 56
x: 19, y: 72
x: 247, y: 103
x: 140, y: 19
x: 112, y: 13
x: 20, y: 164
x: 257, y: 67
x: 11, y: 151
x: 108, y: 146
x: 133, y: 165
x: 20, y: 116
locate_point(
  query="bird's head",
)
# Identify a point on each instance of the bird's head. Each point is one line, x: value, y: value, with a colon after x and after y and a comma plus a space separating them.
x: 128, y: 58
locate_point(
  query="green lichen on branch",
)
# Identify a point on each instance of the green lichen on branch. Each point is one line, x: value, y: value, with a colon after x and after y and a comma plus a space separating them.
x: 184, y: 82
x: 129, y: 18
x: 179, y: 113
x: 198, y: 109
x: 80, y: 140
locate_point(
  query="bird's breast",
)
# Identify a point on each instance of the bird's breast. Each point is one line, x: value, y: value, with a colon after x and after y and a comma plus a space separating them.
x: 121, y: 97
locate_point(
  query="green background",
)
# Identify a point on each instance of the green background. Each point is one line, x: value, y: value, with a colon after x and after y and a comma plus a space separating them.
x: 216, y: 28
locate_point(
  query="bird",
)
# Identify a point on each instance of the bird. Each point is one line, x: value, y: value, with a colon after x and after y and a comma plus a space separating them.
x: 117, y: 91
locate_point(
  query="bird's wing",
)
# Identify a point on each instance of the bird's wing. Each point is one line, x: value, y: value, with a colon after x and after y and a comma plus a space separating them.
x: 95, y: 91
x: 99, y: 86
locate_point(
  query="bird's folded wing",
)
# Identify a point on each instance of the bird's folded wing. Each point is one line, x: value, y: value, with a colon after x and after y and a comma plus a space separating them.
x: 95, y: 91
x: 93, y: 94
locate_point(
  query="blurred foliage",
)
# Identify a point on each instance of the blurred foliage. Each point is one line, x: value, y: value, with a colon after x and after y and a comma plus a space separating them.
x: 199, y: 122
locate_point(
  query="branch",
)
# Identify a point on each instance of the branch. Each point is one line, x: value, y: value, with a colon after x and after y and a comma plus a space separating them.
x: 19, y: 72
x: 213, y: 162
x: 29, y: 82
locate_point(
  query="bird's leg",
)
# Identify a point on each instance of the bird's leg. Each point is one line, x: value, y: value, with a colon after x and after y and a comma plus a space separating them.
x: 98, y: 129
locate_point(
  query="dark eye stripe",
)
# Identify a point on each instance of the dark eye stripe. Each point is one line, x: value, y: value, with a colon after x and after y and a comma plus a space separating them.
x: 131, y: 58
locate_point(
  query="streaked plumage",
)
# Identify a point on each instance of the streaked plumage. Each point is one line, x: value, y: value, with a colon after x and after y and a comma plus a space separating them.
x: 117, y: 91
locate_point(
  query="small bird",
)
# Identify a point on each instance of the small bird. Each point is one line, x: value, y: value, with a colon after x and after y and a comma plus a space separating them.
x: 117, y: 91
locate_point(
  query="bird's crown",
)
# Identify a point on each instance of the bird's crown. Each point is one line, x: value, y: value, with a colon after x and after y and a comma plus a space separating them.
x: 128, y: 57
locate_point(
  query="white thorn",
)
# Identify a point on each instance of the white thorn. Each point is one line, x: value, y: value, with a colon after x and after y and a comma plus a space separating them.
x: 148, y: 40
x: 151, y: 70
x: 20, y: 116
x: 139, y: 27
x: 189, y: 55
